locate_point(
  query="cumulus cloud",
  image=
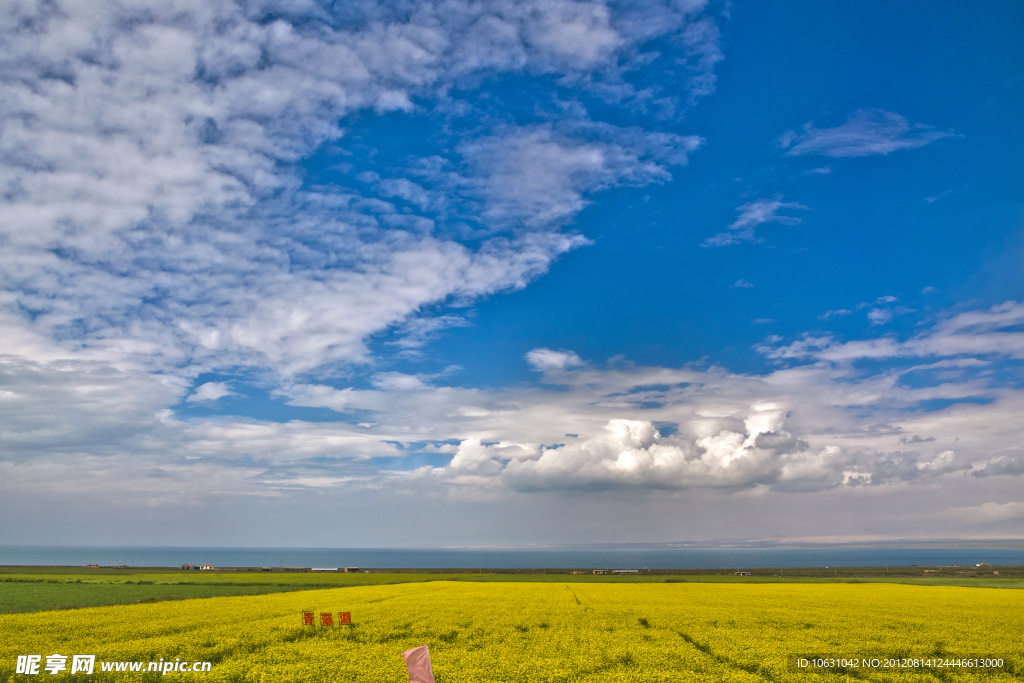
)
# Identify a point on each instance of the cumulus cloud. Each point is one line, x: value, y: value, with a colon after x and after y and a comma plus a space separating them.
x: 753, y: 214
x: 1012, y: 464
x: 546, y: 359
x: 804, y: 428
x: 210, y: 391
x: 633, y: 454
x: 473, y: 456
x: 866, y: 132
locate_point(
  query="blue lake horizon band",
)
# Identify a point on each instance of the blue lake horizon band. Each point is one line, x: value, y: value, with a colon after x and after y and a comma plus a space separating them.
x: 479, y: 559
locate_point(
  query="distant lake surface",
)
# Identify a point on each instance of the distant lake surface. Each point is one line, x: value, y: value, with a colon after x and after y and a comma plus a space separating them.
x: 510, y: 558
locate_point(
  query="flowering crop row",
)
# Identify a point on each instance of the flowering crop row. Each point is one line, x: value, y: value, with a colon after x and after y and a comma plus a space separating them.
x: 547, y: 632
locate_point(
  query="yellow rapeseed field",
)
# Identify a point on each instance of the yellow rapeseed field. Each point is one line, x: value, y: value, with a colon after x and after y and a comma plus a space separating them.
x: 546, y: 632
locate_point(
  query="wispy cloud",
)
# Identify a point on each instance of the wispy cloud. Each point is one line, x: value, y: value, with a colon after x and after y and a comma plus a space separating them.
x: 946, y: 193
x: 160, y: 220
x: 419, y: 331
x: 753, y: 214
x: 828, y: 315
x: 879, y: 316
x: 994, y: 331
x: 539, y: 175
x: 866, y: 132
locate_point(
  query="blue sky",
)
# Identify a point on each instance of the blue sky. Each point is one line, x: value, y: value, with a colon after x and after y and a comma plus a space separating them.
x: 486, y: 273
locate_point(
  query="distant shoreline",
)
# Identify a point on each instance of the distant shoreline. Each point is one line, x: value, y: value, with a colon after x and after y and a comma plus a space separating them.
x: 314, y: 576
x: 637, y: 556
x: 999, y: 543
x: 1007, y: 544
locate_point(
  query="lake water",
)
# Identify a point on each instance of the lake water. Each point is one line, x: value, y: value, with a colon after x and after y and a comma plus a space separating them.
x: 512, y: 558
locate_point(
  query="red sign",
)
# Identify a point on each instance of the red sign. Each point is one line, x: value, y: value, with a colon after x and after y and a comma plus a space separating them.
x: 307, y: 619
x: 344, y: 617
x: 325, y: 619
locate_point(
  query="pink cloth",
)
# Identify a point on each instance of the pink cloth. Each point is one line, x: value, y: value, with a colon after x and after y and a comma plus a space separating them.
x: 417, y: 661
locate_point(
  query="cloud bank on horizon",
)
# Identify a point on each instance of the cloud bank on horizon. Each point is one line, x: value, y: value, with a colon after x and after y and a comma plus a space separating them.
x: 208, y: 201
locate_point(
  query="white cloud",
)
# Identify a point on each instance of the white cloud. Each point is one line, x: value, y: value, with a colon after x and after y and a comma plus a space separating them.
x: 879, y: 316
x: 475, y: 457
x: 397, y: 381
x: 701, y: 40
x: 419, y: 331
x: 156, y: 225
x: 753, y: 214
x: 539, y: 175
x: 807, y: 428
x: 403, y: 188
x: 831, y: 314
x: 760, y: 454
x: 154, y: 211
x: 866, y: 132
x: 211, y: 391
x: 546, y: 359
x: 991, y: 332
x: 742, y: 284
x: 579, y: 34
x: 824, y: 424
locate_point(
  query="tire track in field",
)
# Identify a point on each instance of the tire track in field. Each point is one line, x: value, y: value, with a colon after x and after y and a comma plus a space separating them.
x: 734, y: 664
